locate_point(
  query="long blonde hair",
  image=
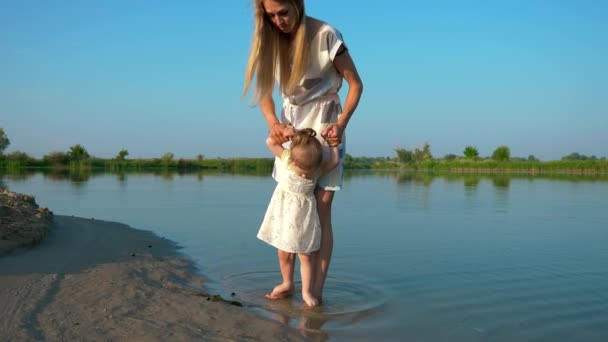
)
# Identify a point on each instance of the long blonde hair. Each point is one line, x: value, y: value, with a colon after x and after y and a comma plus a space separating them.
x: 273, y: 51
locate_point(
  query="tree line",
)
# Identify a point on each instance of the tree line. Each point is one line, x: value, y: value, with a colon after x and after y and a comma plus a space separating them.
x: 500, y: 161
x: 77, y: 157
x: 501, y: 153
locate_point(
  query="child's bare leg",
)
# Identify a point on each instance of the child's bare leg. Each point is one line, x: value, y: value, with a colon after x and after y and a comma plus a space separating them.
x: 286, y: 264
x: 307, y: 274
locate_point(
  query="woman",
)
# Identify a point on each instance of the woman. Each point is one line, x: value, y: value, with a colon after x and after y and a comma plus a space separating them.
x: 308, y: 59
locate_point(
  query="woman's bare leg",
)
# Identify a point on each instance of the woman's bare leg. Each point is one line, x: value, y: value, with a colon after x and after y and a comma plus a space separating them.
x: 307, y: 274
x: 324, y: 201
x: 286, y: 264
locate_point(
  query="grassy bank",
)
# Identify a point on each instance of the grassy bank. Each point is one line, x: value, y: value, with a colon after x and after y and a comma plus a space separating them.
x: 492, y: 166
x: 219, y: 164
x: 260, y: 165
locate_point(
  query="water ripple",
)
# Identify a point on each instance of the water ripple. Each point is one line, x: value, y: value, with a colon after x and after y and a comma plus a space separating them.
x: 345, y: 301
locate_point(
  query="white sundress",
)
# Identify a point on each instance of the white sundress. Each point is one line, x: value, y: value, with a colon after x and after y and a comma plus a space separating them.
x: 315, y: 103
x: 292, y: 222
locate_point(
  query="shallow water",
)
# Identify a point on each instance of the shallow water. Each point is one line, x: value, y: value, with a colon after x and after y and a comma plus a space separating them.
x: 417, y: 257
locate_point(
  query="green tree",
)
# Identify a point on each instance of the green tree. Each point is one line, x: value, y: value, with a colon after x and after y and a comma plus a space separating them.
x: 423, y: 154
x: 56, y: 158
x: 574, y: 156
x: 578, y: 156
x: 4, y: 142
x: 78, y: 153
x: 348, y: 161
x: 20, y: 157
x: 470, y: 152
x: 501, y: 153
x: 122, y: 155
x: 532, y: 158
x: 166, y: 159
x: 404, y: 155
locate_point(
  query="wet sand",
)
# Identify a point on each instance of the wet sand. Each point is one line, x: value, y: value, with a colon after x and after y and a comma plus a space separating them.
x: 92, y: 280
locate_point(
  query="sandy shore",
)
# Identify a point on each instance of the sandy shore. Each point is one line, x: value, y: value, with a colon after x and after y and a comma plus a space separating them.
x: 93, y: 280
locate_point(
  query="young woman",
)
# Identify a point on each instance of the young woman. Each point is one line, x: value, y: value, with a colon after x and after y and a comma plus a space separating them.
x: 308, y: 59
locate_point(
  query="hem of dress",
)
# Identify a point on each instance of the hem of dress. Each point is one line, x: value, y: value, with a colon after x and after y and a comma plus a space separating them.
x: 331, y: 188
x: 288, y: 251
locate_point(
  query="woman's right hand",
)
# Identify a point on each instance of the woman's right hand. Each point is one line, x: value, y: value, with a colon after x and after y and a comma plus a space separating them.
x: 276, y: 133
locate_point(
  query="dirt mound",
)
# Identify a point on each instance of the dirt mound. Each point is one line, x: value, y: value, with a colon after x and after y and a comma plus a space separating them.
x: 22, y: 222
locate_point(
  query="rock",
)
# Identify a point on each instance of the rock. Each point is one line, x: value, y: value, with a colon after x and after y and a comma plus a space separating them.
x: 22, y: 222
x: 218, y: 298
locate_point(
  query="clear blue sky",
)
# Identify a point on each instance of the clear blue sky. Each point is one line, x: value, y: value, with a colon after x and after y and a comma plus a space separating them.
x: 159, y: 76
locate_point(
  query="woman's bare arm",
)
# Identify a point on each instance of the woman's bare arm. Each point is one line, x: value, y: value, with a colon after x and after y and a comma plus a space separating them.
x: 346, y: 67
x: 275, y: 127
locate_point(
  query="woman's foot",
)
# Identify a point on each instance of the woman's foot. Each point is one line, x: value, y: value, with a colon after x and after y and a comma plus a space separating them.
x: 319, y: 297
x: 280, y: 291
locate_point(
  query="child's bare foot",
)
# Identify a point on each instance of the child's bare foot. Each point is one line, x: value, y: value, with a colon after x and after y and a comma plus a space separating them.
x: 309, y: 299
x: 280, y: 291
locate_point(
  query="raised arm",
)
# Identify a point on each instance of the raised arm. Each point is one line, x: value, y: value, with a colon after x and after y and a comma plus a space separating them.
x: 333, y: 160
x: 274, y: 147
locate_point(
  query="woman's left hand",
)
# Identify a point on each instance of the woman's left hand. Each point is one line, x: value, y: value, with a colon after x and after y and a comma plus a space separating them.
x: 288, y: 131
x: 333, y: 134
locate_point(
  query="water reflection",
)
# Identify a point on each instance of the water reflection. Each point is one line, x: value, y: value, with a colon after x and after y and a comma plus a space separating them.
x: 347, y: 301
x: 166, y: 175
x: 501, y: 181
x: 18, y: 176
x: 308, y: 324
x: 121, y: 177
x: 77, y: 177
x: 471, y: 182
x: 425, y: 179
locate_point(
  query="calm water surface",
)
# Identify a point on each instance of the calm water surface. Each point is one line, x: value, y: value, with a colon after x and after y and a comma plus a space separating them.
x: 417, y: 257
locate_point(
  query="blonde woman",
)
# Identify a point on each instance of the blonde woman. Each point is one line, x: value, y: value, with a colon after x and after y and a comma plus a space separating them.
x: 308, y: 59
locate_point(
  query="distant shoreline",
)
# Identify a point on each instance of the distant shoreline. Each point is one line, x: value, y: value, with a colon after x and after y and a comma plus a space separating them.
x: 265, y: 165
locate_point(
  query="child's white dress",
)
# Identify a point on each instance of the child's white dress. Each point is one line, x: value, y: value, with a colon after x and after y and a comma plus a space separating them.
x: 292, y: 222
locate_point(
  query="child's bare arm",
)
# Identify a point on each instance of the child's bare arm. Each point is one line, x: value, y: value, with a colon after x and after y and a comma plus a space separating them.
x: 276, y: 149
x: 332, y: 162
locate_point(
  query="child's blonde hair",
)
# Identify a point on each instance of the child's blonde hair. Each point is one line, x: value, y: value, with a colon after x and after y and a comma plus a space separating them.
x: 306, y: 150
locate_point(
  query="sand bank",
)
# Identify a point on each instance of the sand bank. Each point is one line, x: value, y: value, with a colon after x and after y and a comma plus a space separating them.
x: 22, y: 222
x: 91, y: 280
